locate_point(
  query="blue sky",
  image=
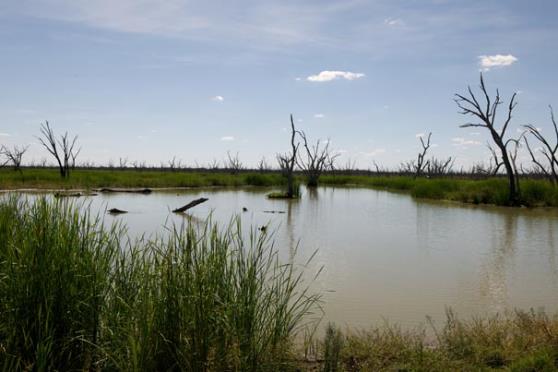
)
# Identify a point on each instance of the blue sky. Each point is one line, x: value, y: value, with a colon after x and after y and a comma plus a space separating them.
x: 149, y: 80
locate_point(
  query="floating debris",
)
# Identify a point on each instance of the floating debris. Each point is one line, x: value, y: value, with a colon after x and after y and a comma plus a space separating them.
x: 116, y: 211
x: 72, y: 194
x: 132, y: 191
x: 192, y: 204
x: 280, y: 212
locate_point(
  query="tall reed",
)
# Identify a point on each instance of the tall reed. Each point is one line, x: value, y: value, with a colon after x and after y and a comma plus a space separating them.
x: 76, y: 295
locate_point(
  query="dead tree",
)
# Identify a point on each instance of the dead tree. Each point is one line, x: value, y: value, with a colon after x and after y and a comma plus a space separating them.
x: 14, y: 155
x: 440, y: 167
x: 173, y: 164
x: 214, y: 165
x: 497, y: 162
x: 549, y: 151
x: 122, y: 163
x: 421, y: 164
x: 234, y: 165
x: 263, y: 166
x: 287, y: 162
x: 486, y: 113
x: 317, y: 159
x: 62, y: 149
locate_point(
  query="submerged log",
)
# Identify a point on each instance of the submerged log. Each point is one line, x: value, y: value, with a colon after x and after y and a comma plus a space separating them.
x: 134, y: 191
x: 67, y: 194
x: 71, y: 194
x: 116, y: 211
x: 192, y: 204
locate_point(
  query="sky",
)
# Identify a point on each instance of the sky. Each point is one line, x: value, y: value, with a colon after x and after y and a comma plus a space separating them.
x: 151, y: 80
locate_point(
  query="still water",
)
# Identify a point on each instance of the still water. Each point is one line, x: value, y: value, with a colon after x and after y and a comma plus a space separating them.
x: 385, y: 256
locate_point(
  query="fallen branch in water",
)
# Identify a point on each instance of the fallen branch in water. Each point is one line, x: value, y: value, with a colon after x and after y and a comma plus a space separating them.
x: 116, y: 211
x: 192, y: 204
x: 134, y: 191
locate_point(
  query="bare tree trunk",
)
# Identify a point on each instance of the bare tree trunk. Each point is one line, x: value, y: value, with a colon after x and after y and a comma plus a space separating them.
x: 287, y: 162
x: 470, y: 106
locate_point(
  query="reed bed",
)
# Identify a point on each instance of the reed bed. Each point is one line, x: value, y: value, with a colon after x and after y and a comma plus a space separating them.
x: 77, y: 295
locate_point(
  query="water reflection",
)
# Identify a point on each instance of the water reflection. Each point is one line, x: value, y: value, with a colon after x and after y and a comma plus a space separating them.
x: 385, y: 255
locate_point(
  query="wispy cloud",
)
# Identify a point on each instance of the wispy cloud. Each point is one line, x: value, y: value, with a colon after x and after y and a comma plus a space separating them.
x: 4, y: 134
x: 498, y: 60
x: 319, y: 116
x: 325, y: 76
x: 460, y: 141
x: 218, y: 98
x: 419, y: 135
x: 227, y: 138
x: 393, y: 22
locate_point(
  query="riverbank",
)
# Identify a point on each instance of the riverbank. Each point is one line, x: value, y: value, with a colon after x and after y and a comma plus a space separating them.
x: 202, y: 299
x: 535, y: 193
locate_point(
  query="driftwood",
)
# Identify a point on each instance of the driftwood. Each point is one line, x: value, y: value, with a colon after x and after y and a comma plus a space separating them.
x: 192, y: 204
x: 116, y: 211
x: 62, y: 194
x: 280, y: 212
x: 133, y: 191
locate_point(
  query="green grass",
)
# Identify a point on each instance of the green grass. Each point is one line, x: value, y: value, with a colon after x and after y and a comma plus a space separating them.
x: 520, y: 341
x: 75, y: 295
x: 89, y: 179
x: 485, y: 191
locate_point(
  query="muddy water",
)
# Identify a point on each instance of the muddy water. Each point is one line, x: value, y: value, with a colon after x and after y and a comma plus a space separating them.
x: 385, y: 255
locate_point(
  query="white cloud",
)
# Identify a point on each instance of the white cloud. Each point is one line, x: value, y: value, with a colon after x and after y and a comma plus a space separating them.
x: 394, y: 22
x: 218, y: 98
x: 319, y: 116
x: 419, y: 135
x: 460, y: 141
x: 474, y: 134
x: 4, y: 134
x: 334, y: 75
x: 227, y: 138
x: 497, y: 60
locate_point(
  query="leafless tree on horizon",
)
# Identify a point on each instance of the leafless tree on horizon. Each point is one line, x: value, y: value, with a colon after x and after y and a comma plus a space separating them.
x: 62, y: 149
x: 287, y: 162
x: 14, y: 155
x: 549, y: 151
x: 487, y: 115
x: 318, y: 158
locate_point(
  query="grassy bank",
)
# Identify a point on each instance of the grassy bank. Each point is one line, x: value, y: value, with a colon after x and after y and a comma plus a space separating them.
x: 77, y: 296
x: 485, y: 191
x: 42, y: 178
x: 519, y: 341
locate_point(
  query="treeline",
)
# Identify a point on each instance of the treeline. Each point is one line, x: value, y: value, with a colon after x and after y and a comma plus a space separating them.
x: 312, y: 159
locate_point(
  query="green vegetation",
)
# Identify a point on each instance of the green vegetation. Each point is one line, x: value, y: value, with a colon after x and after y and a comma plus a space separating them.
x: 295, y: 189
x: 534, y: 192
x: 89, y: 179
x: 522, y: 341
x: 77, y: 296
x: 487, y: 191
